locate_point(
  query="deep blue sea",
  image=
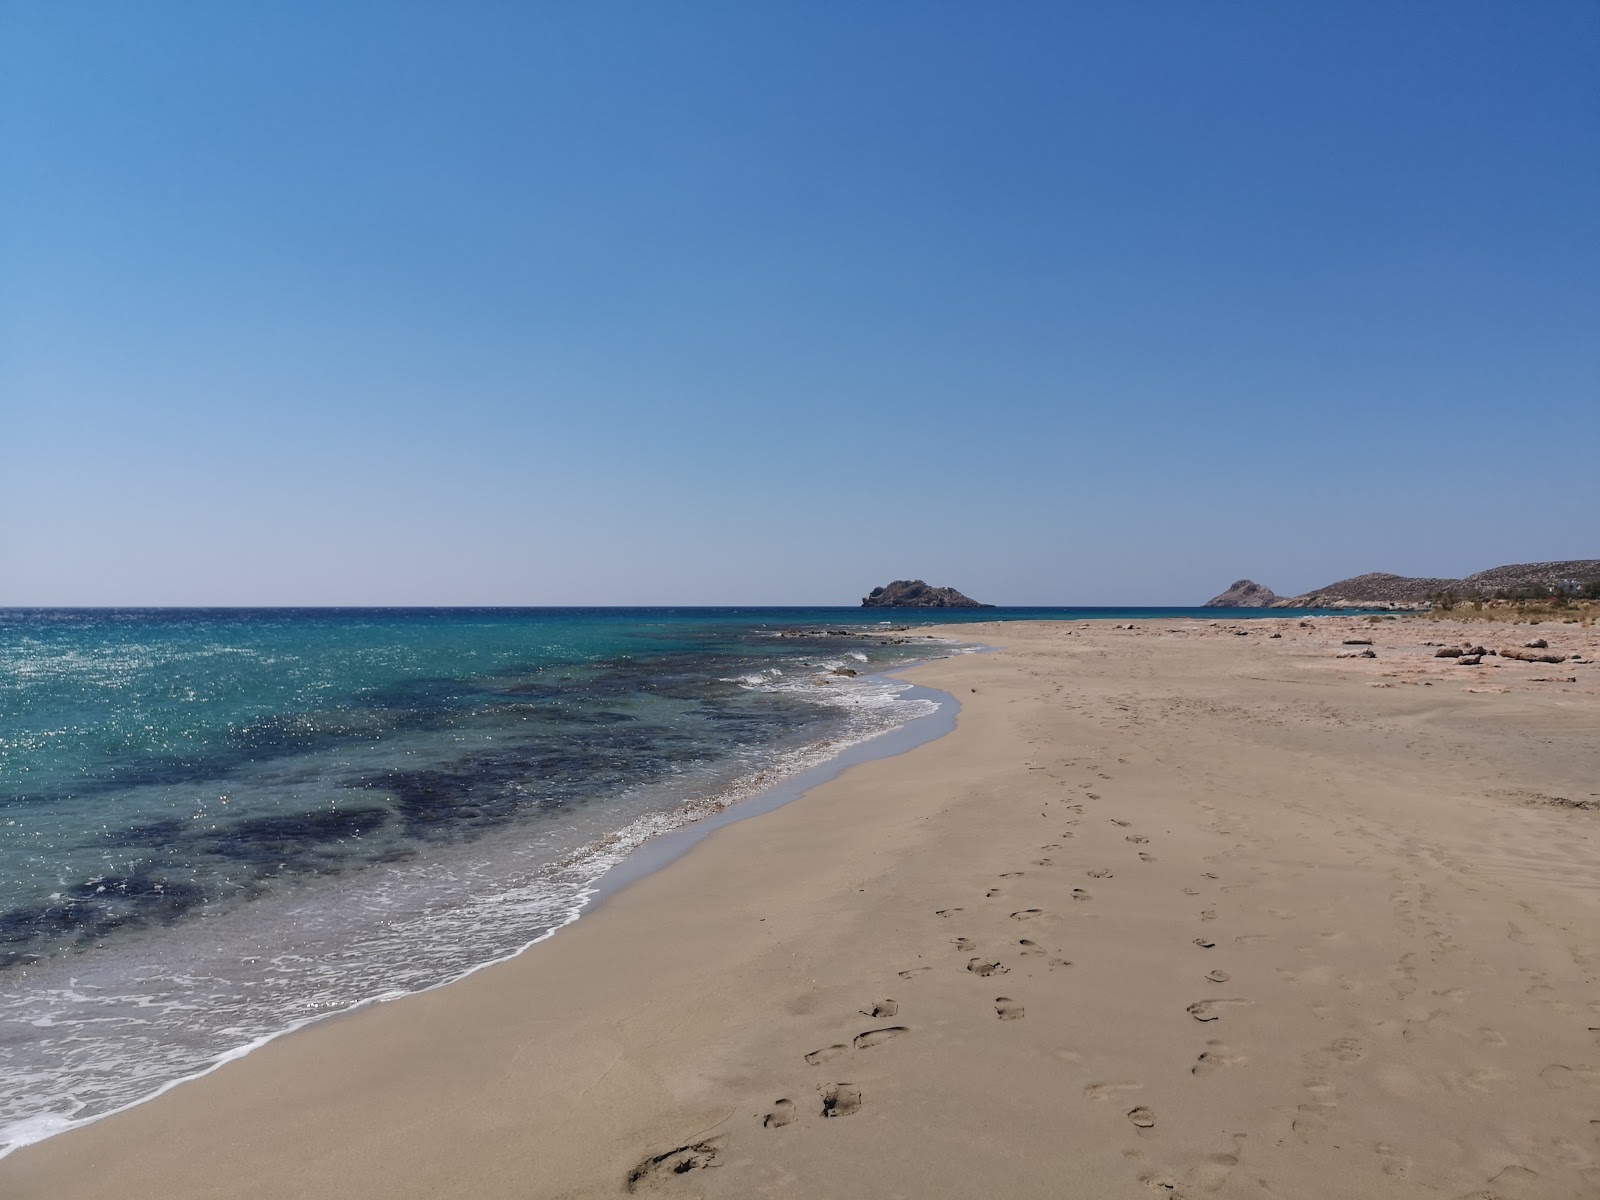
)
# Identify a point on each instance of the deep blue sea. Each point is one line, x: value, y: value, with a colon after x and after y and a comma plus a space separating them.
x: 219, y: 824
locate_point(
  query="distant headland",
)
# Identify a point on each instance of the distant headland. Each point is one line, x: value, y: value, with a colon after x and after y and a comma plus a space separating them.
x: 914, y: 593
x: 1573, y: 577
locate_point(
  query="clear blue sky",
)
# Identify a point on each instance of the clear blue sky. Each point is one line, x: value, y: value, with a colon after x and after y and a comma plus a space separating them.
x: 772, y: 302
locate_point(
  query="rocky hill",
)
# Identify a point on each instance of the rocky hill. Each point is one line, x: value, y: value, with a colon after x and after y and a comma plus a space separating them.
x: 914, y: 593
x: 1374, y: 588
x: 1534, y: 575
x: 1380, y: 590
x: 1245, y: 593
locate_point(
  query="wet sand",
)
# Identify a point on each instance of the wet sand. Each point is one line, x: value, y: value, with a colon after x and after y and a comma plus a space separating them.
x: 1176, y: 910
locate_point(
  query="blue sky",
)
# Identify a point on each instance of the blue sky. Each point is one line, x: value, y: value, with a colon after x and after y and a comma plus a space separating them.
x: 767, y: 303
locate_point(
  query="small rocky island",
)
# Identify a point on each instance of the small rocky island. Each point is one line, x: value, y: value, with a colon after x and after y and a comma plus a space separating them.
x: 1245, y: 593
x: 914, y: 593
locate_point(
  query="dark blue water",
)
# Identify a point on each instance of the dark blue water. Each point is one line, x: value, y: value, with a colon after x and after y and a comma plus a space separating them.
x: 217, y: 824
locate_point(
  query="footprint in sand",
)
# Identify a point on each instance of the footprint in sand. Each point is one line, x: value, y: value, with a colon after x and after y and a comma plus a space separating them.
x: 1392, y: 1163
x: 947, y: 912
x: 1142, y: 1117
x: 907, y: 974
x: 1124, y: 824
x: 964, y: 943
x: 1010, y: 874
x: 1029, y: 949
x: 1007, y: 1009
x: 1143, y: 857
x: 1311, y: 1119
x: 1104, y: 1091
x: 1027, y: 914
x: 1214, y: 1056
x: 782, y: 1113
x: 978, y: 967
x: 883, y: 1008
x: 1206, y: 1010
x: 680, y: 1160
x: 817, y: 1057
x: 1561, y: 1076
x: 1204, y: 943
x: 1209, y: 875
x: 839, y: 1099
x: 1218, y: 976
x: 876, y: 1037
x: 1191, y: 891
x: 1208, y: 914
x: 1138, y: 839
x: 1051, y: 846
x: 1080, y: 894
x: 1346, y: 1049
x: 1481, y: 1080
x: 1044, y: 862
x: 1211, y: 1172
x: 1250, y: 939
x: 1101, y: 873
x: 992, y: 893
x: 1516, y: 1177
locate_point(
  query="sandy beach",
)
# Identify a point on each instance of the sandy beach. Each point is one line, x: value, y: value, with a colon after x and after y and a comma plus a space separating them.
x: 1179, y: 908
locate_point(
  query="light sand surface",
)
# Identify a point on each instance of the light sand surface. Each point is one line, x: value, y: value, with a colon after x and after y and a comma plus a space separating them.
x: 1173, y: 911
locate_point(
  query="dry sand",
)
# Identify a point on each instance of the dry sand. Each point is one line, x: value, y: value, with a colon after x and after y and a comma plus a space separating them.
x: 1173, y: 911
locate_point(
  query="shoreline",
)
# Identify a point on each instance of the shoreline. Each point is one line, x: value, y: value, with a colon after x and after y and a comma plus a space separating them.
x: 1401, y: 885
x: 653, y: 853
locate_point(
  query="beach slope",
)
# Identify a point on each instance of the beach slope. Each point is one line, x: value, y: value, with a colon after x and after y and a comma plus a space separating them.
x: 1178, y: 909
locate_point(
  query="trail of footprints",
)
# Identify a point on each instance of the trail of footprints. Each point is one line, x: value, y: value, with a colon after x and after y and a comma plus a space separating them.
x: 1215, y: 1056
x: 1210, y: 1174
x: 842, y: 1099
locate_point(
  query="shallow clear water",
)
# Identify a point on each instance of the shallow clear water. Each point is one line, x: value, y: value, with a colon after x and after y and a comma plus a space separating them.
x: 218, y: 824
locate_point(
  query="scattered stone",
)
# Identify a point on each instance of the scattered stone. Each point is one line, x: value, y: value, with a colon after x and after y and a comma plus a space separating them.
x: 1537, y: 644
x: 1448, y: 652
x: 1559, y: 801
x: 843, y: 671
x: 1533, y: 656
x: 1356, y: 653
x: 1358, y: 641
x: 1469, y: 660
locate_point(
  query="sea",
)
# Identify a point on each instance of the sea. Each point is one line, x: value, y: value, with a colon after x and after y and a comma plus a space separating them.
x: 219, y: 825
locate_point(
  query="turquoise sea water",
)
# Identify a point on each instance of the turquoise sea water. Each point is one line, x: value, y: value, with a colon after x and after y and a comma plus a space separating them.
x: 219, y: 824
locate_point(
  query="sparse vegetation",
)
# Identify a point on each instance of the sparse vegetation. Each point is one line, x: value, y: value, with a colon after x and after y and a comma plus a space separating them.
x: 1522, y: 610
